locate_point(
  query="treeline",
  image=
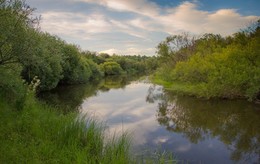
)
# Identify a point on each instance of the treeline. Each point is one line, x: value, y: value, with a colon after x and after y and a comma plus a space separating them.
x: 116, y: 64
x: 212, y: 65
x: 28, y: 53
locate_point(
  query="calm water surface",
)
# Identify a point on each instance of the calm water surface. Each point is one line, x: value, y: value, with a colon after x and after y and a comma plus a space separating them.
x: 196, y: 131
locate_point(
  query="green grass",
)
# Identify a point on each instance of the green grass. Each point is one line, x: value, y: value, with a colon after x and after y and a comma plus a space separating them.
x: 157, y: 157
x: 198, y: 90
x: 38, y: 134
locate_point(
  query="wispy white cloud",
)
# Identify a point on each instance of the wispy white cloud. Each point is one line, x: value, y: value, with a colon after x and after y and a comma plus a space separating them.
x: 142, y: 7
x: 74, y: 24
x: 81, y: 25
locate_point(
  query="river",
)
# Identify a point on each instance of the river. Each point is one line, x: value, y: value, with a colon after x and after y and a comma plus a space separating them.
x: 195, y: 130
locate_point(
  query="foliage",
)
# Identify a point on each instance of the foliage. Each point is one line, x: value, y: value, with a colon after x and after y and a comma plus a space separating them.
x: 12, y: 88
x: 43, y: 60
x: 135, y: 64
x: 96, y: 72
x: 175, y: 48
x: 75, y: 69
x: 15, y: 18
x: 40, y: 54
x: 217, y: 67
x: 111, y: 68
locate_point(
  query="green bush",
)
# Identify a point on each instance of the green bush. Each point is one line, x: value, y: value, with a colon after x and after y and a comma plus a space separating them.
x: 12, y: 88
x: 75, y: 68
x: 111, y: 68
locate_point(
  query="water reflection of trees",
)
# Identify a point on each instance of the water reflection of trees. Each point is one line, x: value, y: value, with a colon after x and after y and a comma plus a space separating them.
x: 113, y: 82
x: 235, y: 123
x: 69, y: 98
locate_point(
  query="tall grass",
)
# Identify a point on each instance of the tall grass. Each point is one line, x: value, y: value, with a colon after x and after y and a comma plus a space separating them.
x: 156, y: 156
x: 38, y: 134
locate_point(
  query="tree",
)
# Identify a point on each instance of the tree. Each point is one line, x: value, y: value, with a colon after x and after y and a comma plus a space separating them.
x: 44, y: 60
x: 75, y: 69
x: 16, y: 19
x: 111, y: 68
x: 175, y: 48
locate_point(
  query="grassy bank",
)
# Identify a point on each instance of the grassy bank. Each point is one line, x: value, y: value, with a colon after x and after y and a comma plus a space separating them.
x: 198, y: 90
x: 38, y: 134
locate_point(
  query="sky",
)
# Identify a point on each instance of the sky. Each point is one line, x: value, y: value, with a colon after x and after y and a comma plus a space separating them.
x: 136, y: 27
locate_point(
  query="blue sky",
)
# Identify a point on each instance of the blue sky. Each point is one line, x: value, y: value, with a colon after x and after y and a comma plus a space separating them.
x: 132, y: 27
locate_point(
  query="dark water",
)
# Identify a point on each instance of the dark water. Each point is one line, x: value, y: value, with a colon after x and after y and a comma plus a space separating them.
x: 196, y: 131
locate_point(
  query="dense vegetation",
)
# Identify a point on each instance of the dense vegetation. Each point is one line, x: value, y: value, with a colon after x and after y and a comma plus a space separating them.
x: 116, y: 65
x: 212, y: 65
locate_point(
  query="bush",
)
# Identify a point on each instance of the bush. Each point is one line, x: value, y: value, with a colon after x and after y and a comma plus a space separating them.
x: 12, y: 88
x: 75, y: 68
x: 111, y: 68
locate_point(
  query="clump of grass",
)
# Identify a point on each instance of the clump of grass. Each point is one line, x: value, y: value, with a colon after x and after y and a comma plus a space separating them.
x: 156, y: 157
x: 117, y: 149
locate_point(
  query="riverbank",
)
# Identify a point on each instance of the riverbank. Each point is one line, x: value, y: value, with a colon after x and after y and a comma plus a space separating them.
x: 40, y: 134
x: 199, y: 90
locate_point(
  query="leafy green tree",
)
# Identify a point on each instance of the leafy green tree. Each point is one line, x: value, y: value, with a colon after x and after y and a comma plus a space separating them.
x: 16, y: 19
x: 44, y: 60
x: 208, y: 44
x: 175, y: 48
x: 98, y: 59
x: 96, y: 72
x: 111, y: 68
x: 75, y: 68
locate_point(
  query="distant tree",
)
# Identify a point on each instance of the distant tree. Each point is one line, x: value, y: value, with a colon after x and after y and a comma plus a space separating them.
x: 104, y: 55
x: 111, y: 68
